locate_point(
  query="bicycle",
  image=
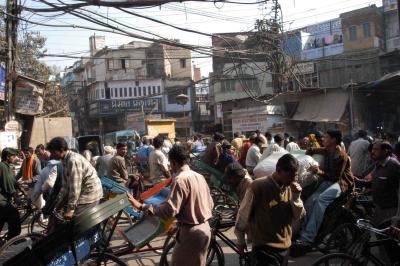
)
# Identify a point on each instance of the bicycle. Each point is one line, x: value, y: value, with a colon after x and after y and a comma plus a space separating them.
x: 359, y: 250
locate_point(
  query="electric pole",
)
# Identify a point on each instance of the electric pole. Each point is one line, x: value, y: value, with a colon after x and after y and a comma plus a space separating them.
x: 11, y: 20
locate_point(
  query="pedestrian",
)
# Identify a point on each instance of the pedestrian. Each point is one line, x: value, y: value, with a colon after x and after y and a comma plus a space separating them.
x: 214, y: 150
x: 263, y: 138
x: 385, y: 182
x: 292, y: 145
x: 273, y: 201
x: 237, y: 143
x: 359, y: 154
x: 31, y: 167
x: 104, y: 162
x: 337, y: 179
x: 245, y: 149
x: 286, y: 140
x: 190, y: 202
x: 8, y: 213
x: 42, y: 155
x: 118, y: 170
x: 269, y: 138
x: 236, y: 176
x: 87, y: 153
x: 198, y: 145
x: 254, y: 154
x: 158, y: 162
x: 81, y: 187
x: 226, y: 157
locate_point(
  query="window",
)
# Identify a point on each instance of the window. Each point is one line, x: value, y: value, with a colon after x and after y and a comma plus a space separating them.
x: 130, y: 92
x: 115, y: 92
x: 144, y: 91
x: 140, y: 91
x: 120, y: 92
x: 123, y: 64
x: 110, y: 64
x: 353, y: 33
x: 102, y: 93
x: 154, y: 89
x: 149, y: 90
x: 135, y: 91
x: 125, y: 92
x: 183, y: 63
x: 367, y: 30
x: 108, y: 93
x: 158, y: 89
x: 137, y: 83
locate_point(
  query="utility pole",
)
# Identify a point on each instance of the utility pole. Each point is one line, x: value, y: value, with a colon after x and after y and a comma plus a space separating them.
x: 11, y: 21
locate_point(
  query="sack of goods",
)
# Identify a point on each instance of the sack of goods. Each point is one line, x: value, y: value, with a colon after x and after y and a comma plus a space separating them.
x: 267, y: 167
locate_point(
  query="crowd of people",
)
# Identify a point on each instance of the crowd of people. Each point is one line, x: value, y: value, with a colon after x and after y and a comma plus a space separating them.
x: 61, y: 179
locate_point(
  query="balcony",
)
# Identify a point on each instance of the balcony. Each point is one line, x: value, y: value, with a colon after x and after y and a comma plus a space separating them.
x: 315, y: 53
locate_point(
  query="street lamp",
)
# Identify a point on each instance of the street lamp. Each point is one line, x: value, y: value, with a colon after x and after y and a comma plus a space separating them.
x: 182, y: 99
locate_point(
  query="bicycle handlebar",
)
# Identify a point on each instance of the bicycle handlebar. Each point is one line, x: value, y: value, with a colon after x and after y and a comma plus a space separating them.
x: 365, y: 224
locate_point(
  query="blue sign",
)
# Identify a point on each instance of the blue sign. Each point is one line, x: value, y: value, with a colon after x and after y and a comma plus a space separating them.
x: 2, y: 82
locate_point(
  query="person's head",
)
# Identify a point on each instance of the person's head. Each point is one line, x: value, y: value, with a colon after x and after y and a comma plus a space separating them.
x: 146, y: 141
x: 28, y: 152
x: 122, y: 149
x: 258, y: 132
x: 108, y: 150
x: 381, y: 150
x: 258, y: 141
x: 236, y: 135
x: 8, y: 155
x: 332, y: 138
x: 40, y: 149
x: 176, y: 140
x: 57, y: 148
x: 278, y: 139
x: 268, y: 135
x: 286, y: 135
x: 228, y: 148
x: 291, y: 139
x: 158, y: 142
x: 178, y: 156
x: 362, y: 134
x: 195, y: 138
x: 218, y: 137
x: 286, y: 169
x: 234, y: 173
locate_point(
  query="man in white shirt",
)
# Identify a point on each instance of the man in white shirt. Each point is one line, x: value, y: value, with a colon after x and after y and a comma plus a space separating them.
x: 359, y: 153
x: 292, y: 146
x: 254, y: 154
x: 158, y: 162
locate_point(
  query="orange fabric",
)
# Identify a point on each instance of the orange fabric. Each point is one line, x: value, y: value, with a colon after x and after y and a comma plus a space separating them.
x: 27, y: 169
x: 157, y: 188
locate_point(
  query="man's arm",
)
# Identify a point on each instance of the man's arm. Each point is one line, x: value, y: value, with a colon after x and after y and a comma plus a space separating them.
x: 296, y: 203
x: 172, y: 205
x: 37, y: 168
x: 74, y: 184
x: 243, y: 217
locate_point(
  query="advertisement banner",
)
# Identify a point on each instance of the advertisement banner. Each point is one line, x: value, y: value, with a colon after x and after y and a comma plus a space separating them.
x: 250, y: 123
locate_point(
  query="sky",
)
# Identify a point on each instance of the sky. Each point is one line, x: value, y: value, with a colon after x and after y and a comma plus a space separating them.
x: 205, y: 17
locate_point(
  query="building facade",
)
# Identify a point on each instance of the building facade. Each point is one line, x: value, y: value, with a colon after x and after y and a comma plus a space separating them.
x: 138, y: 79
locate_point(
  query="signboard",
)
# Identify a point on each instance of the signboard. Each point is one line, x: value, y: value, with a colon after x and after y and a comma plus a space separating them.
x: 133, y: 105
x: 250, y: 123
x: 2, y: 82
x: 13, y: 126
x: 8, y: 140
x: 389, y: 5
x: 304, y: 68
x: 27, y: 98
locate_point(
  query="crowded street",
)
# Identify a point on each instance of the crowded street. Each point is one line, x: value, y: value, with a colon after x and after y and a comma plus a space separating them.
x: 199, y: 132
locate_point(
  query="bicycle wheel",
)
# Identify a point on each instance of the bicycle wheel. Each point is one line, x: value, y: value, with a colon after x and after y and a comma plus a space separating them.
x: 17, y: 244
x: 341, y: 238
x: 215, y: 255
x: 99, y: 258
x: 38, y: 223
x: 336, y: 259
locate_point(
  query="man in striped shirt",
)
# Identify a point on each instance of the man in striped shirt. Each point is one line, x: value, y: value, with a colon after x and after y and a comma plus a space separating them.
x: 81, y: 187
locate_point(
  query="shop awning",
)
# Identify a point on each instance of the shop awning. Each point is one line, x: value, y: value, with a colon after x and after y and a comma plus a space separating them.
x: 327, y: 107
